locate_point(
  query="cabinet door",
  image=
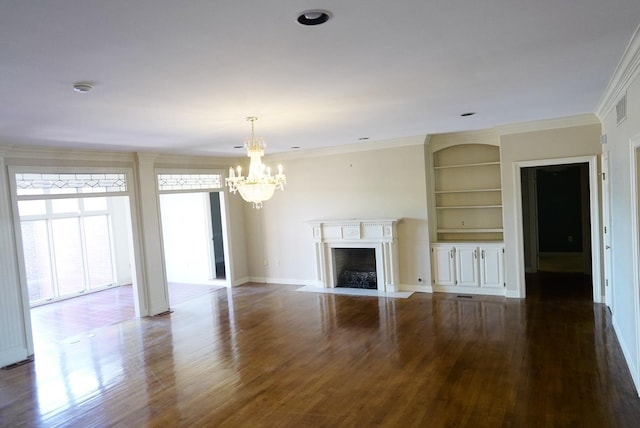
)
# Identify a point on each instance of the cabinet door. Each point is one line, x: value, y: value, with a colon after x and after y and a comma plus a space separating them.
x: 467, y: 274
x: 443, y: 266
x: 492, y: 266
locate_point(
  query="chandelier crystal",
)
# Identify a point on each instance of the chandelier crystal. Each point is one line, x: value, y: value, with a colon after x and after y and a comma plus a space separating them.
x: 259, y: 185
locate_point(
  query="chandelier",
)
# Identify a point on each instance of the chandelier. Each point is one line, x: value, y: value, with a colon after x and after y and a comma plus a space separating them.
x: 259, y: 184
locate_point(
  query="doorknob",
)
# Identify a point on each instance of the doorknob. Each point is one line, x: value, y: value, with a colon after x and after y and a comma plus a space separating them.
x: 606, y: 247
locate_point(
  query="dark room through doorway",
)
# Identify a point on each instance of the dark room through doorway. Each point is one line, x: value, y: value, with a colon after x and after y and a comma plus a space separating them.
x: 556, y: 226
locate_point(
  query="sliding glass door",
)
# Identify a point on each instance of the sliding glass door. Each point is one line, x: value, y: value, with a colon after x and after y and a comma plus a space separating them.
x: 67, y: 246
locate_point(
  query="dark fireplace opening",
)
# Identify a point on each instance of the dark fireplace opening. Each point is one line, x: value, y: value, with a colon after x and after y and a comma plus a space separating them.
x: 355, y: 268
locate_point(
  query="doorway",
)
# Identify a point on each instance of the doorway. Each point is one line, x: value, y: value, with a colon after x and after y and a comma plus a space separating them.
x: 217, y: 234
x: 193, y: 238
x: 556, y: 231
x: 74, y: 237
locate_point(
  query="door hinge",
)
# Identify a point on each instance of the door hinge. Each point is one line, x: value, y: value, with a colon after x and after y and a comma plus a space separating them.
x: 605, y: 229
x: 504, y: 284
x: 604, y: 177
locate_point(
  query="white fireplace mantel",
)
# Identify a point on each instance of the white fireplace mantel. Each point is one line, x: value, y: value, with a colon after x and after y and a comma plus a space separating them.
x: 380, y: 235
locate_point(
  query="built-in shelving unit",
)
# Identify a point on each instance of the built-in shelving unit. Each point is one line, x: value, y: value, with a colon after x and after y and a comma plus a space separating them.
x: 468, y: 193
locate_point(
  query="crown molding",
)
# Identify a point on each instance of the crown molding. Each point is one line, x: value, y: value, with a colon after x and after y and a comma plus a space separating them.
x: 546, y: 124
x: 61, y: 154
x: 626, y: 71
x: 418, y: 140
x: 4, y: 150
x: 46, y: 155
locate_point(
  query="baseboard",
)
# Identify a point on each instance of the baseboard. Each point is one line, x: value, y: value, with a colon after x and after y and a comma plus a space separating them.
x: 470, y: 290
x: 416, y: 288
x: 635, y: 376
x: 241, y: 281
x: 284, y: 281
x: 13, y: 355
x: 510, y: 294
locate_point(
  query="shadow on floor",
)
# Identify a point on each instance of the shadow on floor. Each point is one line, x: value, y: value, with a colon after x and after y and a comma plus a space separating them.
x: 559, y: 286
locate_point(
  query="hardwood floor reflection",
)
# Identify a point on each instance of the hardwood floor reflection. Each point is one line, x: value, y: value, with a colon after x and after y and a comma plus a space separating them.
x: 65, y: 319
x: 266, y: 355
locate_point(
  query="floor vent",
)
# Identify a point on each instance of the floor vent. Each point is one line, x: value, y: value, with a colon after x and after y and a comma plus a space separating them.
x: 161, y: 314
x: 464, y: 296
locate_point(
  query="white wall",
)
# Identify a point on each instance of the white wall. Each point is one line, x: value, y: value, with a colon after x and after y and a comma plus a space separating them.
x: 624, y: 286
x: 383, y: 183
x: 565, y: 142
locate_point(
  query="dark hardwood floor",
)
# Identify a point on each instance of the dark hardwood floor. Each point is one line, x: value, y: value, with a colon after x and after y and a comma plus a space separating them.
x: 268, y: 356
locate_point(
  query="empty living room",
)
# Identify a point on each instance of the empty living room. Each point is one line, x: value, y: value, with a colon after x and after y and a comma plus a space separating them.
x: 389, y: 214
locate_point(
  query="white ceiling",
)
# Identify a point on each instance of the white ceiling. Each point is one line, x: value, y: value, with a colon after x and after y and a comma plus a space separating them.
x: 180, y: 76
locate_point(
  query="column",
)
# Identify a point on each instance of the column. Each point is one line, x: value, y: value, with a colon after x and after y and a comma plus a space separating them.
x: 16, y: 343
x: 153, y: 292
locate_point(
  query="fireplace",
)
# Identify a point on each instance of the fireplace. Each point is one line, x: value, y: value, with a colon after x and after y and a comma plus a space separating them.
x: 355, y: 268
x: 368, y: 247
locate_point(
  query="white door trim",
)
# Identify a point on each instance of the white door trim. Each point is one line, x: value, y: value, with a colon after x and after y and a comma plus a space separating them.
x: 596, y: 258
x: 606, y: 220
x: 634, y: 157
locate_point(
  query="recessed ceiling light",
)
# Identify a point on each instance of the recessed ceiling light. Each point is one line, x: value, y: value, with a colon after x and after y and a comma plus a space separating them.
x: 314, y: 17
x: 363, y: 138
x: 471, y: 113
x: 238, y: 147
x: 82, y: 87
x: 295, y: 147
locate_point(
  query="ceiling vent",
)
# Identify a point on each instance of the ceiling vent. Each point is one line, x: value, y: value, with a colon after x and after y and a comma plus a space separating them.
x: 621, y: 110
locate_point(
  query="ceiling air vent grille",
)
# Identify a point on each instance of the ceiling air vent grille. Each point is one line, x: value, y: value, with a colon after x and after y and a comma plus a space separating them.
x: 621, y: 109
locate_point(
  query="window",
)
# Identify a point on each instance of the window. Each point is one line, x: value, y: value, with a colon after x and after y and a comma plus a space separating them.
x: 67, y: 245
x: 69, y: 183
x: 189, y: 181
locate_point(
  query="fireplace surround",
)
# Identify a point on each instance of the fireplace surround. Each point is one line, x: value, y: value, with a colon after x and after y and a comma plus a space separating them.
x: 379, y: 235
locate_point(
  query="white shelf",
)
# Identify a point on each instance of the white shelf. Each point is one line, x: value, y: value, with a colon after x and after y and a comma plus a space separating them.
x: 465, y: 165
x: 468, y: 190
x: 467, y: 207
x: 495, y: 230
x: 468, y: 193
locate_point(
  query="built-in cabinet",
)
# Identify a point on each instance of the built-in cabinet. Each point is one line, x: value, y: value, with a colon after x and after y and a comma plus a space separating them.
x: 468, y: 254
x: 468, y: 193
x: 468, y: 267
